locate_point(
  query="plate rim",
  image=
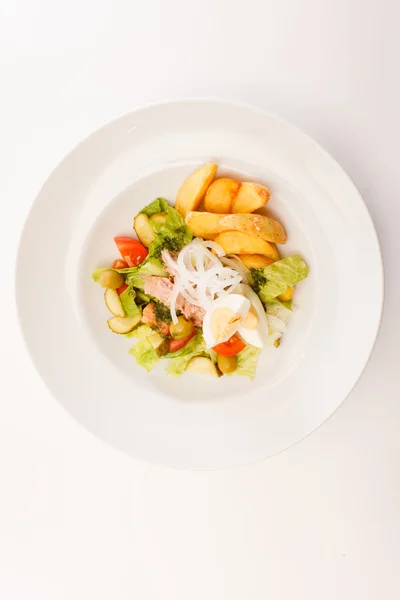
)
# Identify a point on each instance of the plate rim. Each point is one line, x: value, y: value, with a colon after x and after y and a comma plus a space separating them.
x: 264, y: 113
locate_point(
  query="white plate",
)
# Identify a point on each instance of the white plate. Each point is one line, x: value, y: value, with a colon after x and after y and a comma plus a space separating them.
x: 196, y: 422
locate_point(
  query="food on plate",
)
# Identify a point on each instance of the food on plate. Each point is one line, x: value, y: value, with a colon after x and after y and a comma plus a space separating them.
x: 111, y: 279
x: 123, y: 324
x: 144, y: 229
x: 204, y: 224
x: 287, y: 295
x: 203, y: 365
x: 237, y: 242
x: 255, y: 261
x: 250, y: 197
x: 194, y: 188
x: 132, y: 251
x: 220, y: 195
x: 113, y: 302
x: 207, y: 306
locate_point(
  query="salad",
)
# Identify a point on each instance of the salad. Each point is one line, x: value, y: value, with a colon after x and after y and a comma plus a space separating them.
x: 206, y: 290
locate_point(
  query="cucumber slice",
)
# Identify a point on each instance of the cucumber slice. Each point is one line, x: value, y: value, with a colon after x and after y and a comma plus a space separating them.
x: 123, y: 324
x: 144, y: 229
x: 113, y: 303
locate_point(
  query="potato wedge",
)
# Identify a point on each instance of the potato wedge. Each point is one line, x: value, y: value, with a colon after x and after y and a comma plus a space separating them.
x: 203, y: 365
x: 206, y: 223
x: 220, y: 195
x: 287, y: 296
x: 250, y: 197
x: 144, y: 229
x: 193, y: 189
x: 255, y: 261
x: 236, y: 242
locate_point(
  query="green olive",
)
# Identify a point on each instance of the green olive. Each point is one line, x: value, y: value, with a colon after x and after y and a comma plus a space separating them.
x: 159, y: 218
x: 227, y: 364
x: 111, y: 279
x: 182, y: 329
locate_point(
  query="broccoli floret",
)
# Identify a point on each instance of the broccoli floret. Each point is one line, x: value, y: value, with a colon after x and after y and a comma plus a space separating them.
x: 259, y: 279
x: 162, y: 313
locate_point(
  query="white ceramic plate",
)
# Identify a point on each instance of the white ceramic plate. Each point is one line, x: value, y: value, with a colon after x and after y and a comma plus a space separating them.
x: 196, y: 422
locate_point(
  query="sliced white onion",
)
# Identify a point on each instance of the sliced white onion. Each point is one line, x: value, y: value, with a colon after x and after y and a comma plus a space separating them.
x: 200, y: 275
x: 276, y: 323
x: 214, y: 246
x: 234, y: 262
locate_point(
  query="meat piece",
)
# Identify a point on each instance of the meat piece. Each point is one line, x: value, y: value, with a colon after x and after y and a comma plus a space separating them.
x: 158, y: 287
x: 149, y: 318
x: 165, y: 255
x: 161, y: 288
x: 191, y: 312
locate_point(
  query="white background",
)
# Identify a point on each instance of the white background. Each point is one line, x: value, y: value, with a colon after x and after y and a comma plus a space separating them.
x: 80, y: 520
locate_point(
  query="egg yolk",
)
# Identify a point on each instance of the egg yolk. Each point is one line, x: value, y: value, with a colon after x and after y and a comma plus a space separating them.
x: 224, y: 323
x: 251, y: 321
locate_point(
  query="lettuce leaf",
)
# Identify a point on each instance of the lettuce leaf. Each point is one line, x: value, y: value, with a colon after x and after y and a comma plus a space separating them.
x: 269, y: 282
x: 128, y: 302
x: 181, y: 358
x: 247, y: 362
x: 151, y: 266
x: 173, y: 235
x: 158, y: 205
x: 143, y: 352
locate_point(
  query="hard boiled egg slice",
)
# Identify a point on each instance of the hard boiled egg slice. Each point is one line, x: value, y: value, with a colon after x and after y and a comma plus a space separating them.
x: 254, y: 328
x: 224, y: 318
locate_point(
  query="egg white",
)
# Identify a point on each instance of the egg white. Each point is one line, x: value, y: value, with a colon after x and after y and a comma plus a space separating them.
x: 239, y: 304
x: 257, y: 337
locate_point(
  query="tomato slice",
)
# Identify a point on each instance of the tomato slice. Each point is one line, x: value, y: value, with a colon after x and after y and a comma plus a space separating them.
x: 119, y: 264
x: 122, y: 288
x: 175, y: 345
x: 132, y: 251
x: 231, y: 347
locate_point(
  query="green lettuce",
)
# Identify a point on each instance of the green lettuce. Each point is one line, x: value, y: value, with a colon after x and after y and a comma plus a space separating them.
x: 158, y: 205
x: 269, y: 282
x: 143, y: 352
x: 128, y: 302
x: 173, y: 235
x: 247, y: 362
x: 151, y: 266
x: 180, y: 359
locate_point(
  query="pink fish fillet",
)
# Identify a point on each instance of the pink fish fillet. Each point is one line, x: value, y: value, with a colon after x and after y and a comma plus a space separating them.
x: 161, y: 288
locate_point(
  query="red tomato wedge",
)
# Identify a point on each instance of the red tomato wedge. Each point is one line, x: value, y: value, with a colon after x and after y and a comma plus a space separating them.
x: 122, y: 288
x: 231, y: 347
x: 175, y: 345
x: 132, y: 251
x: 119, y: 264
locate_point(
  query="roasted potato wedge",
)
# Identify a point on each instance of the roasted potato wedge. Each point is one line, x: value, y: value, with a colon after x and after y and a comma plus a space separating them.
x: 193, y: 189
x: 206, y: 223
x: 250, y: 197
x: 286, y: 296
x: 255, y: 261
x: 144, y: 229
x: 220, y: 195
x: 236, y: 242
